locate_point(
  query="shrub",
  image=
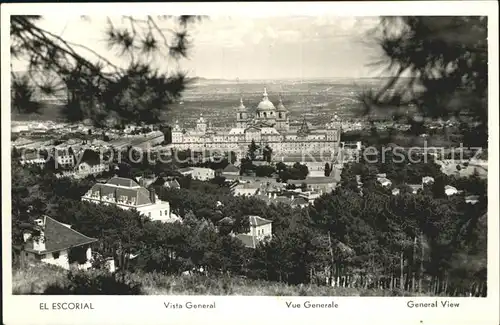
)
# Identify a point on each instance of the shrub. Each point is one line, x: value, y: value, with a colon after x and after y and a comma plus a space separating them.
x: 96, y: 282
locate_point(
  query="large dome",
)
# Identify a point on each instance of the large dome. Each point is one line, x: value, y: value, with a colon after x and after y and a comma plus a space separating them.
x: 265, y: 104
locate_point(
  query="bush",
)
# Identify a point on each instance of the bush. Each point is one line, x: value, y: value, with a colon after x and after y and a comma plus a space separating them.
x: 96, y: 282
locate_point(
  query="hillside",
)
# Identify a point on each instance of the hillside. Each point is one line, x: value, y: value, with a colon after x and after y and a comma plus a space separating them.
x: 46, y: 279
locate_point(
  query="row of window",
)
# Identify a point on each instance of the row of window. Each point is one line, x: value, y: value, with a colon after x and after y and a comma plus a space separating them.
x: 55, y: 255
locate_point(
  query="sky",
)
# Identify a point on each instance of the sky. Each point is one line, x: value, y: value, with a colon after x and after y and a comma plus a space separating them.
x: 282, y: 47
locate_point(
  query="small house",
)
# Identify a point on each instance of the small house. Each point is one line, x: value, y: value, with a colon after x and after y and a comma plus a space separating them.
x: 55, y: 243
x: 260, y: 230
x: 384, y: 181
x: 450, y: 190
x: 427, y: 180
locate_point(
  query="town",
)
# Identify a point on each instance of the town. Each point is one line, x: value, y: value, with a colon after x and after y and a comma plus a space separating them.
x: 253, y: 196
x: 143, y: 181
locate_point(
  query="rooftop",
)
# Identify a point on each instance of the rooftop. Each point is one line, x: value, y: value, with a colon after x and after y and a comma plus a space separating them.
x: 258, y: 221
x: 122, y: 189
x: 121, y: 181
x: 313, y: 180
x: 59, y: 236
x: 231, y: 169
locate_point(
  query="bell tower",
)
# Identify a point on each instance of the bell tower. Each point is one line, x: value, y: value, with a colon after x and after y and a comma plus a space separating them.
x: 282, y: 122
x: 241, y: 115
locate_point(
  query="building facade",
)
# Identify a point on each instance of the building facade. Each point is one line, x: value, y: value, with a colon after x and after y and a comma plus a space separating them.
x: 198, y: 173
x: 268, y: 126
x: 260, y: 230
x: 128, y: 194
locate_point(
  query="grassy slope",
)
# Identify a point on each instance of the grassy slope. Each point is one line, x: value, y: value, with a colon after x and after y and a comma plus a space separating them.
x: 34, y: 280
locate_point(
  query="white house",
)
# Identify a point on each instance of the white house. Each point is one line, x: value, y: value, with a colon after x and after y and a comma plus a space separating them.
x: 260, y: 230
x: 64, y: 157
x: 245, y: 189
x: 427, y: 180
x: 198, y: 173
x: 472, y: 199
x: 127, y: 194
x: 55, y: 243
x: 450, y: 190
x: 84, y: 169
x: 32, y: 158
x: 384, y: 181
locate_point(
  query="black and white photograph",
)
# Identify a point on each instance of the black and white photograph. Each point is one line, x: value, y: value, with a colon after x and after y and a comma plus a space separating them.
x: 231, y: 155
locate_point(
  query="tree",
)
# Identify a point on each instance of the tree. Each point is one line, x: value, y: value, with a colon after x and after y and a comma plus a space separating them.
x: 267, y: 153
x: 97, y: 89
x: 446, y: 61
x: 281, y: 166
x: 247, y: 166
x: 327, y: 169
x: 264, y: 171
x: 252, y: 150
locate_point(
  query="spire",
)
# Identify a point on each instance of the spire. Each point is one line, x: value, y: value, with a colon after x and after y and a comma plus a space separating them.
x: 242, y: 106
x: 265, y: 93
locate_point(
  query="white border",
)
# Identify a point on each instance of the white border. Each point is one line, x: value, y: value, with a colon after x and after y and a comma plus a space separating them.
x: 241, y: 310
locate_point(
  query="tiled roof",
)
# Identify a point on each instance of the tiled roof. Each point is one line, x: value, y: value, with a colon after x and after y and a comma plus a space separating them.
x: 120, y: 181
x: 59, y: 237
x: 282, y: 199
x: 140, y: 194
x: 118, y: 187
x: 247, y: 240
x: 299, y: 201
x: 258, y: 221
x: 231, y: 169
x: 313, y: 180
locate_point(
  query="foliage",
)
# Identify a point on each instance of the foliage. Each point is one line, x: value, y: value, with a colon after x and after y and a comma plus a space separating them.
x: 95, y: 283
x: 297, y: 171
x: 439, y: 67
x: 267, y: 153
x: 328, y: 170
x: 37, y: 279
x: 98, y: 89
x: 424, y: 242
x: 252, y: 150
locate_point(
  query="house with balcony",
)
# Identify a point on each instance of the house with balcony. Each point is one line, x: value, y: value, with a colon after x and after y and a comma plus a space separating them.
x: 127, y: 194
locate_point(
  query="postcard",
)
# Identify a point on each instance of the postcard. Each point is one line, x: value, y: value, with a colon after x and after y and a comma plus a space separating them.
x: 245, y: 162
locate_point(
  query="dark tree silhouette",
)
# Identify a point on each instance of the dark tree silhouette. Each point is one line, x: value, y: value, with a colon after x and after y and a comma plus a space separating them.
x: 327, y: 169
x: 99, y: 89
x: 439, y: 67
x: 252, y: 150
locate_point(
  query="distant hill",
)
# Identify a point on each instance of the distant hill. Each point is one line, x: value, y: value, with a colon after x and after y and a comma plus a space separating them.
x: 216, y: 99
